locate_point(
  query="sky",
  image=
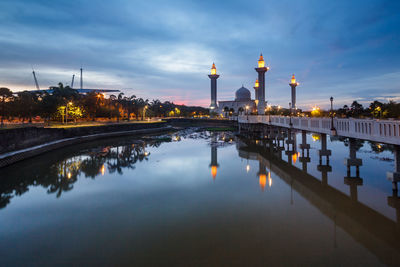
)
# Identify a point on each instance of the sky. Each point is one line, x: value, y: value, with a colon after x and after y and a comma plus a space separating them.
x: 349, y: 50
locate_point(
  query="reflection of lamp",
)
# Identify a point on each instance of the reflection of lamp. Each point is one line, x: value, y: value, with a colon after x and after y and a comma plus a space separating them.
x: 247, y: 166
x: 269, y: 180
x: 214, y: 156
x: 262, y: 180
x: 214, y: 170
x: 103, y: 169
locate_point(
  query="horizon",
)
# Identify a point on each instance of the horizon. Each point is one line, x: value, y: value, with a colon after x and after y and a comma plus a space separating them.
x: 345, y: 50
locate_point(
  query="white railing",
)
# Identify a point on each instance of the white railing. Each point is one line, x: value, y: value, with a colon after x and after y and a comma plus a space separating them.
x: 385, y: 131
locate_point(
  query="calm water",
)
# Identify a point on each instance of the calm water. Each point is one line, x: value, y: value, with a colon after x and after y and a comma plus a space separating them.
x: 200, y: 198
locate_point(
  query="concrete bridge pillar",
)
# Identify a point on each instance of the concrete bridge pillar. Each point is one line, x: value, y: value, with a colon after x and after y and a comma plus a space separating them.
x: 394, y: 202
x: 291, y: 147
x: 353, y: 160
x: 305, y: 151
x: 324, y: 152
x: 394, y: 177
x: 353, y: 181
x: 324, y: 169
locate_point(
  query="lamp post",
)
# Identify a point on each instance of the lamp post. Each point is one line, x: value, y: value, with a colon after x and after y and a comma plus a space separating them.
x: 290, y: 114
x: 66, y: 112
x: 333, y: 130
x: 247, y: 112
x: 269, y: 113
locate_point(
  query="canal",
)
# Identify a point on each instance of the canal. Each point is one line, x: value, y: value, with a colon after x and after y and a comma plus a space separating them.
x: 202, y: 198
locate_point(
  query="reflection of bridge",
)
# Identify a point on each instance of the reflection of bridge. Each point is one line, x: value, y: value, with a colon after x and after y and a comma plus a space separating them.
x: 382, y: 131
x: 373, y: 230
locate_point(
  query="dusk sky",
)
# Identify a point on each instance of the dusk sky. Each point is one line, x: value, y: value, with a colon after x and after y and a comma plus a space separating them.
x: 164, y: 49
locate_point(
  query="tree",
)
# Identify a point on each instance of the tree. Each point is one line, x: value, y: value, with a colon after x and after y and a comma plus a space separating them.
x: 356, y: 109
x: 28, y: 104
x: 6, y: 95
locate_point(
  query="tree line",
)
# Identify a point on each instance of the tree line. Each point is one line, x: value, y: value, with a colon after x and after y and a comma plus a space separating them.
x: 376, y: 109
x: 66, y: 104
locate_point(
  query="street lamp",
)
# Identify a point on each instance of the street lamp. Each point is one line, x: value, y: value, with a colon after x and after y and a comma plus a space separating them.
x: 66, y: 112
x: 333, y: 130
x: 247, y: 112
x: 290, y: 114
x: 144, y: 111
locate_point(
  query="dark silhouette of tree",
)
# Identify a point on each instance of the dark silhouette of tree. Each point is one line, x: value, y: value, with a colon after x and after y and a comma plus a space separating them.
x: 6, y: 95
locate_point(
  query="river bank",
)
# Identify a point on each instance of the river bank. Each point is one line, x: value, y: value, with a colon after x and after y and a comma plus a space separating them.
x: 22, y: 143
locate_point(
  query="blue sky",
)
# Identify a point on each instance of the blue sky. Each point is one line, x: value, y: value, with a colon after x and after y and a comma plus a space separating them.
x: 164, y: 49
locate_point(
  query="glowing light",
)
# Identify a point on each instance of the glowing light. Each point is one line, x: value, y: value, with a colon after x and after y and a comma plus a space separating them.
x: 69, y: 175
x: 256, y: 84
x: 262, y: 181
x: 261, y: 62
x: 269, y: 180
x: 103, y: 170
x: 247, y: 168
x: 214, y: 170
x: 146, y: 154
x: 293, y: 79
x: 213, y: 70
x: 315, y: 111
x: 315, y: 137
x: 294, y: 157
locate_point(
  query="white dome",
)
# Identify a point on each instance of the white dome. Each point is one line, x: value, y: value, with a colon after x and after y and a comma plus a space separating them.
x: 242, y: 94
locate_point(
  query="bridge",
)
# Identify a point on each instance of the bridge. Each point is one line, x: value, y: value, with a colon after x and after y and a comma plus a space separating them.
x: 373, y: 230
x: 381, y: 131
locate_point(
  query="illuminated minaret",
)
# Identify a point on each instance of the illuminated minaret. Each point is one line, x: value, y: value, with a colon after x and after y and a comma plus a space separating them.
x: 261, y: 89
x: 214, y: 156
x: 262, y: 174
x: 256, y: 85
x: 214, y: 76
x: 293, y: 84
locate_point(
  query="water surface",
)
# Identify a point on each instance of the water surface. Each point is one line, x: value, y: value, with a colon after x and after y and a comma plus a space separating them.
x: 200, y: 198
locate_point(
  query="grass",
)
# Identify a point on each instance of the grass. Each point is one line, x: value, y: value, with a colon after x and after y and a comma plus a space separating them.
x: 220, y: 129
x: 96, y: 123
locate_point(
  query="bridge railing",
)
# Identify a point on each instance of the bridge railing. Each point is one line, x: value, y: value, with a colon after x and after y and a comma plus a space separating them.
x: 387, y: 131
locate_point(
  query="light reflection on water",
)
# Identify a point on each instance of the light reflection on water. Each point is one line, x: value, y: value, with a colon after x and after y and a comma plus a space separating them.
x: 202, y: 198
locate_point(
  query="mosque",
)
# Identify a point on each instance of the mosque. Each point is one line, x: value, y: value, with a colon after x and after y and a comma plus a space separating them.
x: 243, y: 104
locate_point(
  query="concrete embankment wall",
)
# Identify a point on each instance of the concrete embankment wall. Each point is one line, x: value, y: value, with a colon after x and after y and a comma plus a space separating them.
x: 20, y: 138
x: 22, y: 143
x: 18, y: 155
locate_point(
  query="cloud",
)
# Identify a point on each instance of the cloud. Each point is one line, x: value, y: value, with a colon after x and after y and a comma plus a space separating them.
x: 164, y: 49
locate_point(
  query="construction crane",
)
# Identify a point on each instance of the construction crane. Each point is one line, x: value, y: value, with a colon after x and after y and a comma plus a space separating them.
x: 81, y: 79
x: 72, y: 83
x: 36, y: 82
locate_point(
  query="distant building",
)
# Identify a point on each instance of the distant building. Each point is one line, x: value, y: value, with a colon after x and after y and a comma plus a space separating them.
x: 241, y: 105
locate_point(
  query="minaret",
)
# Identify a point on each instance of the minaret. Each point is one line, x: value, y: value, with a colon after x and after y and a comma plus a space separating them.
x: 214, y: 76
x: 261, y: 90
x: 262, y: 174
x: 214, y: 156
x: 256, y: 86
x: 293, y: 84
